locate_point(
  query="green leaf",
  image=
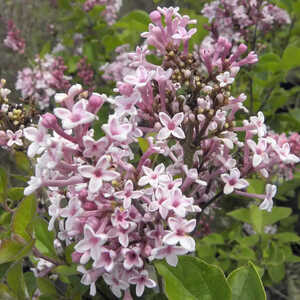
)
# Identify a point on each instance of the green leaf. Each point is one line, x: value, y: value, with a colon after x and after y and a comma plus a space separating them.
x: 143, y: 143
x: 30, y: 282
x: 11, y: 250
x: 5, y: 293
x: 22, y: 161
x: 245, y: 284
x: 269, y: 62
x: 3, y: 184
x: 290, y: 58
x: 252, y: 215
x: 256, y: 186
x: 46, y: 287
x: 278, y: 213
x: 276, y: 272
x: 193, y: 279
x: 15, y: 281
x: 66, y: 270
x: 15, y: 194
x: 44, y: 236
x: 213, y: 239
x: 287, y: 237
x: 23, y: 217
x: 260, y: 218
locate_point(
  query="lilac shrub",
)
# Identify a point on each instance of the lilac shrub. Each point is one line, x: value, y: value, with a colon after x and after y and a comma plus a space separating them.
x: 41, y: 81
x: 239, y: 20
x: 14, y: 39
x: 123, y: 209
x: 111, y: 10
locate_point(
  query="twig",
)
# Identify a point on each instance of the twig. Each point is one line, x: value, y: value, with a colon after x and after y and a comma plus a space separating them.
x: 198, y: 216
x: 275, y: 291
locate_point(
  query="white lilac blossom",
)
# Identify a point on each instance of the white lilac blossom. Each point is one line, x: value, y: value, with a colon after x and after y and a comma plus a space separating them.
x: 124, y: 208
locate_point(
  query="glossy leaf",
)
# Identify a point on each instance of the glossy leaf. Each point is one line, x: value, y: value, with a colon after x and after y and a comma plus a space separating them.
x: 193, y: 279
x: 23, y: 217
x: 15, y: 281
x: 245, y: 284
x: 44, y: 236
x: 11, y: 250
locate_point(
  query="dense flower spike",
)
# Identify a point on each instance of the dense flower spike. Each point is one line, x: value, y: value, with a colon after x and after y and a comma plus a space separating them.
x: 122, y: 208
x: 237, y: 20
x: 41, y: 82
x: 13, y: 39
x: 112, y: 7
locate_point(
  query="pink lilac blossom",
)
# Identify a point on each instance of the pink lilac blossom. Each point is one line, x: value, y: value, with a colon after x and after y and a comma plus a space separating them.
x: 122, y: 209
x: 40, y: 82
x: 13, y: 38
x: 85, y: 72
x: 110, y: 12
x: 237, y: 20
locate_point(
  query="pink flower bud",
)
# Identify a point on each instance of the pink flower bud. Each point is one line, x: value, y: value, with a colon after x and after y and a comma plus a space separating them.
x: 95, y: 103
x: 76, y: 257
x: 155, y: 17
x: 88, y: 205
x: 125, y: 89
x: 49, y: 121
x: 83, y: 194
x: 3, y: 138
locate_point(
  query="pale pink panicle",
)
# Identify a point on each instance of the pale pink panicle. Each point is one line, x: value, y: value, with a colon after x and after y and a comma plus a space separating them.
x: 13, y: 38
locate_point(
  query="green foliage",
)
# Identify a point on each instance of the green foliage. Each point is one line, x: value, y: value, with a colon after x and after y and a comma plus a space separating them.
x: 16, y: 282
x: 245, y: 284
x: 22, y: 219
x: 44, y: 237
x: 193, y: 279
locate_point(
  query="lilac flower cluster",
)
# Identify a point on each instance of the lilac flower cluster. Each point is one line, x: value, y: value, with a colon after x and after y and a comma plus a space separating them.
x: 122, y: 215
x: 112, y: 8
x: 121, y: 66
x: 237, y: 20
x: 13, y: 38
x: 41, y: 82
x: 85, y: 72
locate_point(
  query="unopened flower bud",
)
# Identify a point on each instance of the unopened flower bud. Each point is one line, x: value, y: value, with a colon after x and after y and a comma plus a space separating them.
x: 125, y: 89
x: 220, y: 98
x: 83, y: 194
x: 175, y: 107
x: 89, y: 205
x: 157, y: 126
x: 207, y: 89
x: 76, y: 257
x: 192, y: 117
x: 49, y: 121
x: 95, y: 103
x: 155, y: 17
